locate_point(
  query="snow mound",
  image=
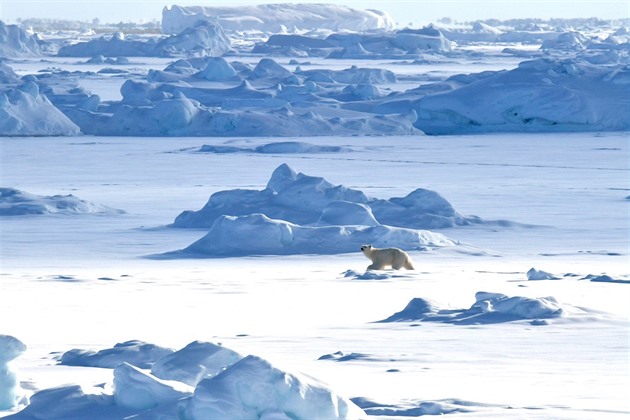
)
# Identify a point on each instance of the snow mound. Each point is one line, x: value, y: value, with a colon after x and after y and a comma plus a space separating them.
x: 197, y: 361
x: 275, y: 18
x: 257, y: 234
x: 534, y: 274
x: 604, y: 278
x: 489, y: 308
x: 539, y: 96
x: 340, y: 356
x: 14, y: 202
x: 282, y: 147
x: 16, y: 42
x: 302, y: 199
x: 414, y: 408
x: 203, y: 39
x: 135, y: 352
x: 10, y: 392
x: 253, y: 388
x: 24, y: 111
x: 138, y: 390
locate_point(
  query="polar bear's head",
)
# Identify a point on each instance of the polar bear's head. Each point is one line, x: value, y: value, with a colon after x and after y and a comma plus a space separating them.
x: 366, y: 249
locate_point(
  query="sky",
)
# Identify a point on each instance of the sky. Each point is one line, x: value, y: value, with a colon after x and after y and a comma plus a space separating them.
x: 403, y: 12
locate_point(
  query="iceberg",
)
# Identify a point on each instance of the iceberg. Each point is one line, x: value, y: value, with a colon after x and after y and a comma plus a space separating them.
x: 274, y: 17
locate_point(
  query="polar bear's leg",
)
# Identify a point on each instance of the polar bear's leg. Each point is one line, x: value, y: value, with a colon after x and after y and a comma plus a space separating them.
x: 374, y: 266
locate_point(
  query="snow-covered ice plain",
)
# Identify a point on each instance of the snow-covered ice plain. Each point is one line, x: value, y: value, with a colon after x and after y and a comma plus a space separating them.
x: 181, y: 217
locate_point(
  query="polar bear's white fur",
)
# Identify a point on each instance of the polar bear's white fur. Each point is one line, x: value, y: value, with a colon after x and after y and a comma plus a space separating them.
x: 387, y: 257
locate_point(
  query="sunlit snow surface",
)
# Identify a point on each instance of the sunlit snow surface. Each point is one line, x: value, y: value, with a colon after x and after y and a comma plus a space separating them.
x: 80, y: 282
x: 518, y: 307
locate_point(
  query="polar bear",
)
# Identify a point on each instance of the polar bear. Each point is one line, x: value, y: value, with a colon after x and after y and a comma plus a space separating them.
x: 387, y: 257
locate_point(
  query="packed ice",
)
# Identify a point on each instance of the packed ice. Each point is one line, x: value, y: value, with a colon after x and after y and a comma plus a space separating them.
x: 404, y: 132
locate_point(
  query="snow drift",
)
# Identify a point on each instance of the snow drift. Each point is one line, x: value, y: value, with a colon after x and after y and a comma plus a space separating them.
x: 14, y: 202
x: 489, y: 308
x: 135, y: 352
x: 257, y: 234
x: 281, y: 147
x: 276, y: 18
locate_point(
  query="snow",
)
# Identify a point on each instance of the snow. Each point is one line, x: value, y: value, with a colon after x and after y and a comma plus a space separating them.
x: 202, y: 39
x: 540, y: 95
x: 15, y: 42
x: 489, y: 308
x: 257, y: 234
x: 138, y: 390
x: 14, y: 202
x: 534, y: 274
x: 519, y: 312
x: 138, y: 353
x: 253, y: 388
x: 10, y: 348
x: 24, y: 111
x: 195, y: 362
x: 304, y: 199
x: 276, y: 17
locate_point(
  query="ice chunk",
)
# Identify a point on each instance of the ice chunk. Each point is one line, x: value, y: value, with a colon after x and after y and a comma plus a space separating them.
x: 253, y: 388
x: 196, y: 361
x: 10, y: 391
x: 136, y: 389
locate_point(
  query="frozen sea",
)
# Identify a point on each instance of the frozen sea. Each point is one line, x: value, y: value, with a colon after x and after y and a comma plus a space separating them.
x: 82, y: 281
x: 520, y: 310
